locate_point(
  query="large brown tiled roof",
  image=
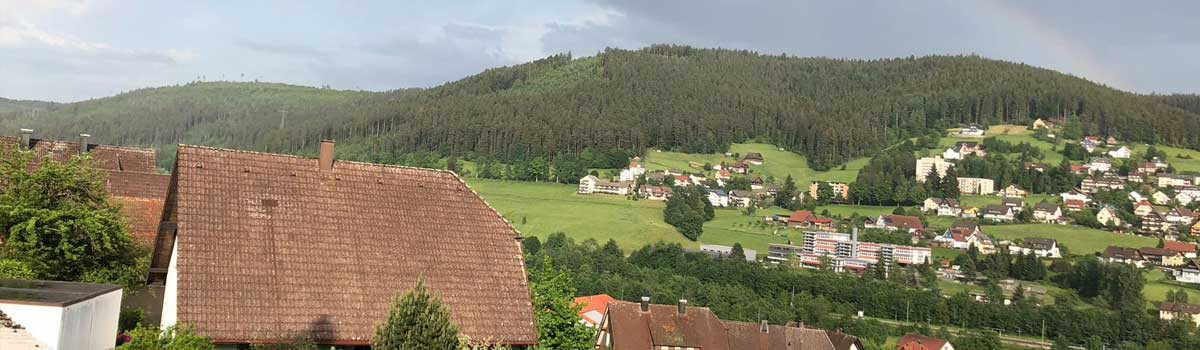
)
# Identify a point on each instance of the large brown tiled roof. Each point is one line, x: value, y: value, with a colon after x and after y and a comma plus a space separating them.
x: 750, y: 336
x: 270, y: 246
x: 662, y: 325
x: 110, y: 158
x: 916, y: 341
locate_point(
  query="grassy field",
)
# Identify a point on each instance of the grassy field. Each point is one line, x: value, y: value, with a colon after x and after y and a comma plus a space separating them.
x: 540, y: 209
x: 1173, y: 153
x: 980, y: 201
x: 1080, y: 240
x: 1015, y: 135
x: 777, y: 163
x: 1157, y: 285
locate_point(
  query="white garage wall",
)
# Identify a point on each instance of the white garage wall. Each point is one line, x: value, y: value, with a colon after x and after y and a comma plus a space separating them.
x: 44, y: 323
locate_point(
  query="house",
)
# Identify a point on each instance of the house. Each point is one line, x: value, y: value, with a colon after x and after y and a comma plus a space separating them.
x: 1170, y: 180
x: 753, y: 158
x: 739, y: 168
x: 1108, y: 216
x: 1017, y: 204
x: 841, y: 190
x: 1137, y: 197
x: 1123, y: 255
x: 593, y: 308
x: 634, y: 170
x: 916, y: 341
x: 1161, y: 256
x: 741, y: 198
x: 1179, y: 215
x: 972, y: 130
x: 996, y: 212
x: 951, y: 153
x: 1090, y: 143
x: 1160, y: 198
x: 1049, y: 213
x: 724, y: 174
x: 587, y: 184
x: 975, y: 185
x: 682, y: 180
x: 1188, y: 250
x: 132, y: 177
x: 1040, y: 124
x: 943, y: 206
x: 1100, y: 165
x: 1041, y: 168
x: 1074, y: 205
x: 655, y: 193
x: 1106, y: 181
x: 651, y: 326
x: 1111, y: 141
x: 58, y: 315
x: 1179, y: 311
x: 724, y: 251
x: 294, y: 246
x: 718, y: 198
x: 1142, y: 208
x: 1043, y: 247
x: 1075, y: 195
x: 912, y: 224
x: 806, y: 219
x: 927, y: 164
x: 1013, y: 191
x: 1080, y: 169
x: 1120, y: 153
x: 965, y: 148
x: 1155, y: 223
x: 963, y: 235
x: 1188, y: 273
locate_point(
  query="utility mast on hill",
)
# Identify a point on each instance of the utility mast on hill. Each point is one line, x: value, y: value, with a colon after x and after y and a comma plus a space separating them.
x: 282, y: 117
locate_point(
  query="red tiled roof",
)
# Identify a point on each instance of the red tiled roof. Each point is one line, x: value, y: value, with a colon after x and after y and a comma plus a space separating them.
x: 750, y: 336
x: 904, y: 221
x: 598, y: 303
x: 914, y: 341
x: 663, y: 325
x: 1181, y: 247
x: 270, y: 246
x: 801, y: 216
x: 106, y: 157
x: 1074, y: 203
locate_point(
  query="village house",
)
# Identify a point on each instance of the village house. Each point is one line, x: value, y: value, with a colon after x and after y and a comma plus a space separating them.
x: 972, y: 131
x: 916, y: 341
x: 593, y: 308
x: 723, y: 175
x: 682, y: 180
x: 753, y: 158
x: 132, y: 177
x: 1179, y: 311
x: 1090, y: 143
x: 1080, y: 169
x: 964, y: 234
x: 951, y: 153
x: 657, y: 176
x: 655, y: 193
x: 335, y: 225
x: 1120, y: 153
x: 1041, y: 168
x: 975, y: 185
x: 739, y: 168
x: 1017, y: 204
x: 1171, y: 180
x: 1074, y: 205
x: 1108, y: 216
x: 943, y: 206
x: 683, y: 327
x: 1075, y: 195
x: 1179, y: 215
x: 1123, y: 255
x: 741, y: 198
x: 1049, y: 213
x: 1100, y: 165
x: 634, y: 170
x: 1111, y: 141
x: 724, y: 251
x: 1013, y: 191
x: 55, y: 315
x: 1161, y: 257
x: 912, y: 224
x: 805, y: 219
x: 1142, y: 208
x: 1188, y: 250
x: 998, y: 212
x: 927, y: 164
x: 718, y: 198
x: 1160, y: 198
x: 1188, y: 273
x: 591, y: 184
x: 1043, y: 247
x: 841, y: 190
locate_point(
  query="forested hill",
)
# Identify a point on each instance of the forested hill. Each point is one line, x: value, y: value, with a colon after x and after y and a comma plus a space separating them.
x: 8, y: 106
x: 673, y: 97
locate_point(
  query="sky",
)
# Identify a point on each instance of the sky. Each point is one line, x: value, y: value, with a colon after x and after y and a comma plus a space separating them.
x: 71, y: 50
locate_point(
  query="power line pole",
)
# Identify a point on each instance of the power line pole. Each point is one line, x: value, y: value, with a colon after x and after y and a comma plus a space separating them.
x: 282, y: 117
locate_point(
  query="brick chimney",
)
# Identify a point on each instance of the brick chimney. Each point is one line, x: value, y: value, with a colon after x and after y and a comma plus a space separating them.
x: 26, y: 138
x: 326, y: 159
x: 83, y: 143
x: 683, y: 306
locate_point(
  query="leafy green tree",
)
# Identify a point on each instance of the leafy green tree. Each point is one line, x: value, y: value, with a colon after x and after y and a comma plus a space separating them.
x: 416, y: 320
x: 557, y: 316
x: 176, y: 337
x: 14, y: 269
x: 737, y: 253
x: 784, y: 197
x: 57, y: 220
x: 982, y: 340
x: 824, y: 193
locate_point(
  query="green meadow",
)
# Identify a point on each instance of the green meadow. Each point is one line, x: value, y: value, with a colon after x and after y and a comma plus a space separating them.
x: 1078, y: 239
x: 777, y: 163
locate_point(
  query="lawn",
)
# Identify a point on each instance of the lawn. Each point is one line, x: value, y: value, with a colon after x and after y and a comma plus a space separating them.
x: 777, y: 163
x: 1078, y: 239
x: 1157, y: 285
x: 540, y: 209
x: 1051, y: 156
x: 1173, y: 153
x: 980, y: 201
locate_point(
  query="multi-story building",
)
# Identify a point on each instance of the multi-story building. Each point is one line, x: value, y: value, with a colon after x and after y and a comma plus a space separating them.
x: 928, y: 164
x: 846, y: 252
x: 976, y: 185
x: 841, y: 191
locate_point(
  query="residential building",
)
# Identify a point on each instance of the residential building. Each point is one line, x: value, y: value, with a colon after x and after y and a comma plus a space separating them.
x: 319, y: 248
x: 951, y: 153
x: 975, y: 185
x: 1161, y: 256
x: 1108, y: 216
x: 741, y: 198
x: 1160, y: 198
x: 1171, y: 180
x: 780, y: 253
x: 1016, y: 203
x: 962, y: 235
x: 1090, y: 143
x: 1013, y: 191
x: 847, y: 253
x: 753, y: 158
x: 927, y: 164
x: 683, y: 327
x: 1100, y: 165
x: 1106, y: 181
x: 655, y: 193
x: 912, y: 224
x: 841, y: 191
x: 1049, y: 213
x: 1111, y: 141
x: 916, y: 341
x: 1040, y: 124
x: 1179, y: 311
x: 1188, y: 273
x: 943, y: 206
x: 58, y: 315
x: 718, y: 198
x: 807, y: 220
x: 593, y: 308
x: 1120, y: 153
x: 965, y: 148
x: 1043, y: 247
x: 1155, y: 222
x: 1075, y: 195
x: 1142, y: 208
x: 1123, y: 255
x: 739, y: 168
x: 591, y: 184
x: 1188, y: 250
x: 997, y: 212
x: 724, y: 251
x: 1074, y: 205
x: 631, y: 173
x: 1179, y: 215
x: 972, y: 130
x: 1041, y: 168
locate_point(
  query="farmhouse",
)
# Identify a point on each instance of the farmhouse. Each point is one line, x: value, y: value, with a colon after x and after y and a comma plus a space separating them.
x: 1120, y: 153
x: 943, y: 206
x: 912, y: 224
x: 1043, y: 247
x: 1013, y: 191
x: 655, y: 193
x: 1179, y: 311
x: 975, y: 185
x: 806, y: 219
x: 319, y: 248
x: 58, y: 315
x: 927, y: 164
x: 753, y: 158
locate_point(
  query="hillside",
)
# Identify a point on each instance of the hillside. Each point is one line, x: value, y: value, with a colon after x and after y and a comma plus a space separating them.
x: 14, y: 107
x: 664, y: 97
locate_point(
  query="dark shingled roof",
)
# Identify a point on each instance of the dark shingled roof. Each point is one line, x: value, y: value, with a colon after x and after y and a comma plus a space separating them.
x: 1179, y: 307
x: 1122, y: 253
x: 50, y: 293
x: 270, y: 246
x: 664, y: 326
x: 843, y: 341
x: 750, y: 336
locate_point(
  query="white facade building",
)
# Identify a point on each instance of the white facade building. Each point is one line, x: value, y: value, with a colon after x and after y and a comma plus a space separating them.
x: 927, y: 164
x: 63, y: 315
x: 976, y: 185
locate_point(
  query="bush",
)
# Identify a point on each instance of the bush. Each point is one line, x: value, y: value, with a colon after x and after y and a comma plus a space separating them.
x: 173, y: 338
x: 130, y: 319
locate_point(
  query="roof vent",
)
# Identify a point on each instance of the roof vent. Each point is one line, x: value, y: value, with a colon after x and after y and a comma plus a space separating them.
x: 645, y: 305
x: 26, y: 138
x: 683, y: 306
x: 326, y: 158
x: 83, y: 143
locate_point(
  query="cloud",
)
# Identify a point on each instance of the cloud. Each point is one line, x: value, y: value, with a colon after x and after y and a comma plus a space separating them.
x: 287, y: 50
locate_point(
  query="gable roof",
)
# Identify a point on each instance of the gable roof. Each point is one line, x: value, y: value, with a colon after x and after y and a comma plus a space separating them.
x: 1157, y: 252
x: 1179, y: 307
x: 663, y: 325
x: 1122, y: 253
x: 750, y: 336
x: 105, y: 157
x: 272, y: 245
x: 597, y: 304
x: 922, y: 342
x: 1182, y: 247
x: 1046, y: 207
x: 843, y: 341
x: 903, y: 221
x: 1040, y: 243
x: 997, y: 209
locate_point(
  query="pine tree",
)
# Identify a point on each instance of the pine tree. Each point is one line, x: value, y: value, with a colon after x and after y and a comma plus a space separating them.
x: 737, y: 253
x: 416, y: 321
x: 784, y: 197
x: 949, y: 185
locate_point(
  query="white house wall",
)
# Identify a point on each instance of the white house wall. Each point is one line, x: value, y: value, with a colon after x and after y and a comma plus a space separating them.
x: 91, y: 324
x: 171, y: 290
x: 43, y: 322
